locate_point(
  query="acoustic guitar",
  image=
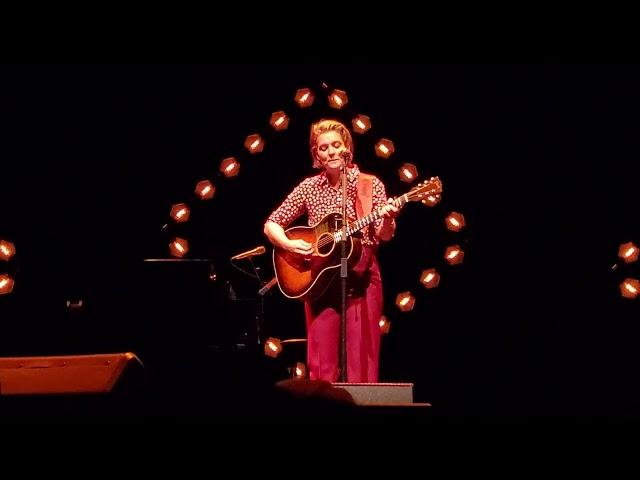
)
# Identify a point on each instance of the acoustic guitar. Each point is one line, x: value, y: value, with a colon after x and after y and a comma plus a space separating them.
x: 307, y: 277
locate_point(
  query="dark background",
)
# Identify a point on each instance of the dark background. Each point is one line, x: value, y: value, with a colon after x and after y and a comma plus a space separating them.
x: 540, y: 158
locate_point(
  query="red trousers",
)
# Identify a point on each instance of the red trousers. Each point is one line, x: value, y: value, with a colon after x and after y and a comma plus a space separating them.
x: 364, y: 308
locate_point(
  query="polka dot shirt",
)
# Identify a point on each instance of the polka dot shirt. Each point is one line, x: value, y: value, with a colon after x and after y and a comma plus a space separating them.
x: 315, y: 197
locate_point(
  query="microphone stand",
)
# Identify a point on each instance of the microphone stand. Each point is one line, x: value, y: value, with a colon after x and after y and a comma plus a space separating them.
x: 343, y: 277
x: 260, y: 311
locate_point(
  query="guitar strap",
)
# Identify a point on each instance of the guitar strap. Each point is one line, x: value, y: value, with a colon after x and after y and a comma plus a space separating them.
x: 364, y: 204
x: 364, y: 199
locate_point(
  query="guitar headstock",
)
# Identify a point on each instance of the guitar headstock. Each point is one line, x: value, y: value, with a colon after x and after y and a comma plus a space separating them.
x: 430, y: 187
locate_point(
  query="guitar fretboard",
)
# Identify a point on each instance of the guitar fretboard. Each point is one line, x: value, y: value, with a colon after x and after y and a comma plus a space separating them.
x: 366, y: 220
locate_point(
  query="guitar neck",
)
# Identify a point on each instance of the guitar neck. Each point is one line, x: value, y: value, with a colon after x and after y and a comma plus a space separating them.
x: 372, y: 217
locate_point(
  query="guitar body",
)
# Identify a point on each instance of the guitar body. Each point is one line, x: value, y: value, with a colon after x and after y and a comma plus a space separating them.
x: 307, y: 277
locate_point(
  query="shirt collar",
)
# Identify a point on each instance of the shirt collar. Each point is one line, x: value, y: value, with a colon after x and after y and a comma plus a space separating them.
x: 352, y: 174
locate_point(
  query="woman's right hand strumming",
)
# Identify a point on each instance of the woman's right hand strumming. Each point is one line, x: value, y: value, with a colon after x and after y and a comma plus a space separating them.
x: 276, y: 235
x: 299, y: 246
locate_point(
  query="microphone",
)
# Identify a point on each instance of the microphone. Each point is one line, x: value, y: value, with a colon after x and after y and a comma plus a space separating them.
x: 256, y: 251
x: 346, y: 156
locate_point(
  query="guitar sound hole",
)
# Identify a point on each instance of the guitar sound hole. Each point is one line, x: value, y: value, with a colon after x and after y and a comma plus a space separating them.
x: 325, y: 244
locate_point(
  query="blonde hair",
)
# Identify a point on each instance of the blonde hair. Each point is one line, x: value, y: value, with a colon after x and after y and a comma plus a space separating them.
x: 327, y: 125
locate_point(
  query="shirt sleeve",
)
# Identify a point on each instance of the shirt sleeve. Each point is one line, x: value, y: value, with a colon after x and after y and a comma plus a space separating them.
x: 292, y: 207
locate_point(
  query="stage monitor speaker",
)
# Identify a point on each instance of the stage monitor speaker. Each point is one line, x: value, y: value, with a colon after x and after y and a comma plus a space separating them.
x: 64, y: 374
x: 379, y: 393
